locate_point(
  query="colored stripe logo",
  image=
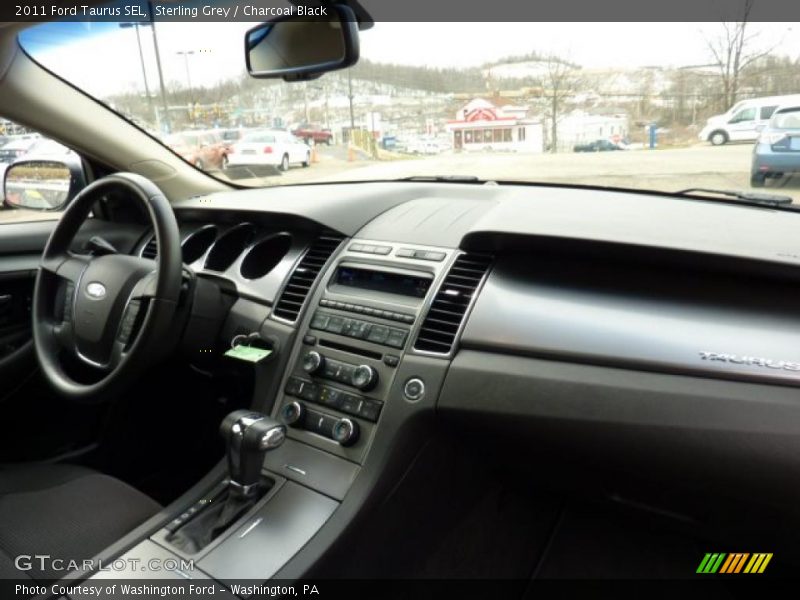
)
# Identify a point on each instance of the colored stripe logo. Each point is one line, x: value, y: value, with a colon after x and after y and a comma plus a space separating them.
x: 735, y: 562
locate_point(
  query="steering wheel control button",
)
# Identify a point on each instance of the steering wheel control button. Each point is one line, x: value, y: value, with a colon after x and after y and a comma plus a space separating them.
x: 414, y: 389
x: 313, y: 362
x: 292, y: 414
x: 345, y: 431
x: 364, y: 377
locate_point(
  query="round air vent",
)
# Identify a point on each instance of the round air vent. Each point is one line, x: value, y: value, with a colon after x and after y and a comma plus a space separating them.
x: 229, y: 246
x: 265, y: 255
x: 197, y: 242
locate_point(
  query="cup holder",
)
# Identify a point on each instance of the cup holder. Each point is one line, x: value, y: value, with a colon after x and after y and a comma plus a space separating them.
x: 265, y: 255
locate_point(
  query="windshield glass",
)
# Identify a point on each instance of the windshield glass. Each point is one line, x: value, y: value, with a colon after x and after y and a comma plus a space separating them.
x: 611, y: 104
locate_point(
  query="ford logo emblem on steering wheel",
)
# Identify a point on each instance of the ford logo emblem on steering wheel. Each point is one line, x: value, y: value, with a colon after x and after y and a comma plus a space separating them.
x: 95, y: 290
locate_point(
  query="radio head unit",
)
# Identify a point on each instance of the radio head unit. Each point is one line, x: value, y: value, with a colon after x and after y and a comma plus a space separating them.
x: 413, y: 285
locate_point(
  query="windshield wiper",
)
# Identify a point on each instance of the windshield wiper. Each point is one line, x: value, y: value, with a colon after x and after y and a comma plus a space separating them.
x: 748, y: 198
x: 444, y: 178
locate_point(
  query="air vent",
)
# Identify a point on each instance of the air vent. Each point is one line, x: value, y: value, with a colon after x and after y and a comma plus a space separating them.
x: 439, y: 329
x: 305, y: 274
x: 150, y: 249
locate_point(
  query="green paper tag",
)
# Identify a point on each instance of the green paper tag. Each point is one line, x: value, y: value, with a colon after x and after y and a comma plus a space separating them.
x: 248, y: 353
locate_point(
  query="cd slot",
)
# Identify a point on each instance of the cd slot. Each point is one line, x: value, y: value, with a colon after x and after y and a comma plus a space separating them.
x: 350, y: 349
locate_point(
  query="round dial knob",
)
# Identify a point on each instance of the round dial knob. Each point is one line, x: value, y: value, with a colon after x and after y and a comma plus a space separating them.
x: 345, y: 431
x: 313, y: 361
x: 292, y: 413
x: 364, y: 377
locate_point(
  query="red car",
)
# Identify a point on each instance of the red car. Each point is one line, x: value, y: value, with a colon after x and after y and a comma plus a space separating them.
x: 204, y: 149
x: 308, y: 132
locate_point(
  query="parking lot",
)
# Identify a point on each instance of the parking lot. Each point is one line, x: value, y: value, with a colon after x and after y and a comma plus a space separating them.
x: 726, y: 167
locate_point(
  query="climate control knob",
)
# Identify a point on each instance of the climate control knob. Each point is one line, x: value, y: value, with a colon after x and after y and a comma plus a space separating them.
x: 345, y: 431
x: 292, y: 413
x: 313, y: 362
x: 364, y: 378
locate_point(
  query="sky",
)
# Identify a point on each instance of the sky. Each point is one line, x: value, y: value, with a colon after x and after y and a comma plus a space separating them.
x: 112, y: 52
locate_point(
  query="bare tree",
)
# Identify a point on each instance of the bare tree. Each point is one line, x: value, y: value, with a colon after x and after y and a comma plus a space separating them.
x: 733, y: 50
x: 560, y: 81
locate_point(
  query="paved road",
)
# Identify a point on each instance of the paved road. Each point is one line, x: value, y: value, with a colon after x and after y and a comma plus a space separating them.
x: 725, y: 167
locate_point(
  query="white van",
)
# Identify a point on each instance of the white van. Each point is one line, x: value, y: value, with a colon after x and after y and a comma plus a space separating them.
x: 744, y: 120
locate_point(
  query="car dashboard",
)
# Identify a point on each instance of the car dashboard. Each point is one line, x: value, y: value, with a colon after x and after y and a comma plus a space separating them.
x: 630, y: 330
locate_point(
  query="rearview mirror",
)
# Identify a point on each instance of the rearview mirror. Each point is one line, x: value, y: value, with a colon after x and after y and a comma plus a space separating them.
x: 41, y: 184
x: 303, y: 47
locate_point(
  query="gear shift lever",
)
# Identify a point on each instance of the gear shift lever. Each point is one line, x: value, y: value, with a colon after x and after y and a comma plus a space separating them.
x: 249, y: 435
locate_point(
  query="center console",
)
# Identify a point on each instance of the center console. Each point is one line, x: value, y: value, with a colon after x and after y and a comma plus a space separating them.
x: 358, y: 328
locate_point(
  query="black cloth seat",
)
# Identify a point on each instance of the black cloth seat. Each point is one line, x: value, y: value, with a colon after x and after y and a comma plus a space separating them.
x: 64, y: 511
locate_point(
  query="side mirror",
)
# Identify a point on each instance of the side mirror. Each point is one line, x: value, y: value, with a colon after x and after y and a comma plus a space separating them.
x: 303, y: 47
x: 41, y: 184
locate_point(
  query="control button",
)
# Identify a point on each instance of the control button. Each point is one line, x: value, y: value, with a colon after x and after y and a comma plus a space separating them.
x: 345, y: 431
x: 364, y: 377
x: 292, y: 414
x: 391, y: 360
x: 324, y: 302
x: 414, y: 389
x: 383, y: 250
x: 350, y: 404
x: 378, y: 334
x: 429, y: 255
x: 368, y: 310
x: 320, y: 423
x: 385, y: 314
x: 408, y: 319
x: 358, y: 308
x: 370, y: 409
x: 331, y: 369
x: 397, y: 338
x: 309, y: 340
x: 349, y: 307
x: 358, y: 329
x: 335, y: 324
x: 320, y: 320
x: 368, y: 248
x: 398, y: 316
x: 310, y: 392
x: 339, y: 305
x: 313, y: 361
x: 293, y: 386
x: 331, y: 397
x: 405, y: 253
x: 356, y: 247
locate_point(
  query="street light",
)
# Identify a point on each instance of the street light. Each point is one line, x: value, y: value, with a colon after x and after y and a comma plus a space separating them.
x: 186, y: 54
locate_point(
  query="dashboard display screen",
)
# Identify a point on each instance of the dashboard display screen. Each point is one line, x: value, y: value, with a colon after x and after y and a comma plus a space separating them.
x: 382, y: 281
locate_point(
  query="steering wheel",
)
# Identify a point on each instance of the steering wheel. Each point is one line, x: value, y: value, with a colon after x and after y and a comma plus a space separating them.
x: 112, y: 312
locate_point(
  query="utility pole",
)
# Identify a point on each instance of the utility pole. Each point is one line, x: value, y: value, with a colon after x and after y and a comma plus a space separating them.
x: 350, y: 96
x: 160, y: 72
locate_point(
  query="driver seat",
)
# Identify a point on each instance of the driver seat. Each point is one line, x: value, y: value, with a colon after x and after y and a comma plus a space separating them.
x: 64, y: 511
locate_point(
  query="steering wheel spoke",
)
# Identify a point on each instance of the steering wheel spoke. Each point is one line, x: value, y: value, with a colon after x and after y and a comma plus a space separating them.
x: 68, y: 266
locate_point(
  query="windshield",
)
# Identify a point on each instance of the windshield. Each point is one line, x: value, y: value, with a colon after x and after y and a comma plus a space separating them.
x: 611, y: 104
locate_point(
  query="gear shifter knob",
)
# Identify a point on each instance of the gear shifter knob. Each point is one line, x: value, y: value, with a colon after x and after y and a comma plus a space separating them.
x: 249, y: 435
